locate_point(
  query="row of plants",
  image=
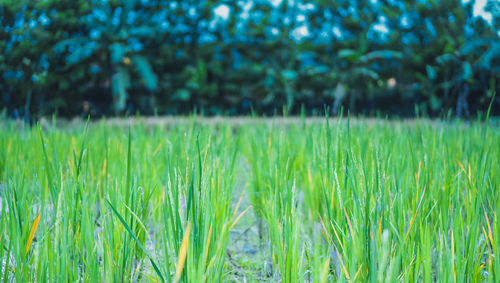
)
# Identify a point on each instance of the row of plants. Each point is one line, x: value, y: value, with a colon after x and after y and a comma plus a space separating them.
x: 363, y: 200
x: 88, y: 207
x: 376, y: 203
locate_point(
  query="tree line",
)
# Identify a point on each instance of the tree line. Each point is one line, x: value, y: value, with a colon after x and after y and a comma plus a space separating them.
x: 80, y: 57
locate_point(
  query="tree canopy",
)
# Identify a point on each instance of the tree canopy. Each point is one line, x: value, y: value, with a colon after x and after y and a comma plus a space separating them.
x: 98, y: 57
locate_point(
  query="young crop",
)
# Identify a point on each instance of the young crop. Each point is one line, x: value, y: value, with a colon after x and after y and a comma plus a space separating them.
x: 335, y: 200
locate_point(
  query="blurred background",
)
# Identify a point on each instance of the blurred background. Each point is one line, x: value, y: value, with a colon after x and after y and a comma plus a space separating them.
x: 154, y: 57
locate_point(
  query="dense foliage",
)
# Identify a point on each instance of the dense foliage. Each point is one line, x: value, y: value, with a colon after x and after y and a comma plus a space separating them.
x: 160, y: 56
x: 261, y: 201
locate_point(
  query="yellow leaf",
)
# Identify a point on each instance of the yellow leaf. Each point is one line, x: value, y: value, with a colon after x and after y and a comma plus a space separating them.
x: 157, y: 149
x: 415, y: 215
x: 342, y: 264
x: 182, y: 253
x: 490, y: 234
x: 357, y: 273
x: 350, y: 226
x: 104, y: 166
x: 238, y: 218
x: 380, y: 226
x: 238, y: 205
x: 208, y: 241
x: 32, y: 233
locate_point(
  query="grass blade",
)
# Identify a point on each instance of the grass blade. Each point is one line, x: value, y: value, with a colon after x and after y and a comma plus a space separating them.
x: 155, y: 266
x: 32, y: 233
x: 182, y: 253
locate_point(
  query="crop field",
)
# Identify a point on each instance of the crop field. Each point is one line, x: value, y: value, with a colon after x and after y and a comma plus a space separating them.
x: 325, y: 200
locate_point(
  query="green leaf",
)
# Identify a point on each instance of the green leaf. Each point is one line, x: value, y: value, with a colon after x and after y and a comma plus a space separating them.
x: 61, y: 45
x: 82, y: 53
x: 467, y: 72
x: 289, y: 74
x: 431, y: 72
x: 348, y: 53
x: 364, y: 72
x: 121, y: 82
x: 380, y: 54
x: 118, y: 51
x: 472, y: 46
x: 157, y: 270
x: 128, y: 5
x: 182, y: 94
x: 493, y: 53
x: 344, y: 53
x: 446, y: 58
x: 145, y: 71
x: 142, y: 31
x: 435, y: 103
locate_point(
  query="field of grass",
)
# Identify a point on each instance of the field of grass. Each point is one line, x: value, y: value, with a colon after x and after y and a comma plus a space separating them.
x: 260, y: 201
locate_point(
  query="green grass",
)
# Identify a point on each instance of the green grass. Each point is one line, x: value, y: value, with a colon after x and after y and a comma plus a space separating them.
x: 309, y: 201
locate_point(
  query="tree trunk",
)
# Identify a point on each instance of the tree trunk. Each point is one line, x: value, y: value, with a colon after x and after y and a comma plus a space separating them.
x: 27, y: 116
x: 462, y: 105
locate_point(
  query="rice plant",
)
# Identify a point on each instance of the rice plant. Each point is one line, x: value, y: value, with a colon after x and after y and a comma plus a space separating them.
x: 333, y: 200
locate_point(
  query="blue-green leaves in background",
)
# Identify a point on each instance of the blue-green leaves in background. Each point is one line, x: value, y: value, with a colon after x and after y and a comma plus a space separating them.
x: 431, y: 72
x: 145, y: 71
x: 120, y: 85
x: 289, y: 74
x: 380, y: 55
x: 83, y: 52
x: 118, y: 51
